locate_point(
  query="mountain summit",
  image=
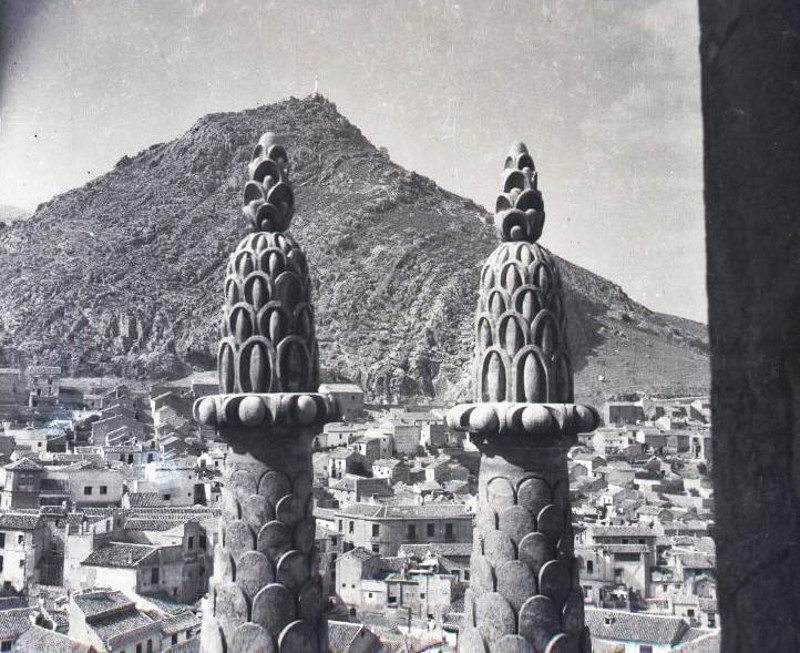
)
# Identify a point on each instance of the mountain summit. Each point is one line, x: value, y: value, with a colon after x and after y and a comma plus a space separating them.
x: 128, y: 269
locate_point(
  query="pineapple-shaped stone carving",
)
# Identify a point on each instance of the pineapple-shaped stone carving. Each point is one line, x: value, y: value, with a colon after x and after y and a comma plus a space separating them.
x: 524, y: 590
x: 266, y: 592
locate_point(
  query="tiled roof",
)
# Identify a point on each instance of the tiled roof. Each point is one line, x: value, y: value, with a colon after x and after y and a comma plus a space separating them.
x: 447, y: 549
x: 146, y: 500
x: 360, y: 554
x: 341, y: 634
x: 14, y: 622
x: 114, y: 625
x: 119, y: 554
x: 424, y: 511
x: 386, y: 462
x: 616, y: 625
x: 37, y: 639
x: 622, y: 531
x: 24, y: 465
x: 701, y: 642
x: 11, y: 521
x: 179, y: 622
x: 624, y: 548
x: 150, y: 523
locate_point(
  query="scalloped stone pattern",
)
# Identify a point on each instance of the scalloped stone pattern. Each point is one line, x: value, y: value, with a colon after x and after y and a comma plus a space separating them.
x: 524, y: 591
x: 521, y: 350
x: 266, y: 592
x: 268, y: 340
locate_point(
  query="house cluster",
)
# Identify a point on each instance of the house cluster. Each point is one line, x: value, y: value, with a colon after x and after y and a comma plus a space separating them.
x: 109, y: 502
x: 643, y: 511
x: 395, y: 496
x: 108, y: 515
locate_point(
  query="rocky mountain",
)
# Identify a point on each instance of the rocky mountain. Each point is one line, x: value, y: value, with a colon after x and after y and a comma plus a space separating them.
x: 128, y: 269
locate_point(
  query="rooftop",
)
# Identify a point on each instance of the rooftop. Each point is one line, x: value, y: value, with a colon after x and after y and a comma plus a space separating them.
x: 622, y: 531
x: 341, y: 634
x: 446, y: 549
x: 14, y: 622
x: 360, y: 554
x: 11, y: 521
x: 179, y: 622
x: 620, y: 626
x: 424, y: 511
x: 119, y: 554
x: 96, y: 602
x: 24, y: 465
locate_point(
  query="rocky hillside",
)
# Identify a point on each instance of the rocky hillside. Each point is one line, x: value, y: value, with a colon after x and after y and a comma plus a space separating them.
x: 128, y: 269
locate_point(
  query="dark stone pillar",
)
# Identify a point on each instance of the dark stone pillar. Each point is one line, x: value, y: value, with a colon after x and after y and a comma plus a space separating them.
x: 525, y: 593
x: 266, y: 592
x: 750, y: 55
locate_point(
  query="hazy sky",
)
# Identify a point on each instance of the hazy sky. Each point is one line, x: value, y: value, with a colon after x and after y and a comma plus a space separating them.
x: 605, y: 93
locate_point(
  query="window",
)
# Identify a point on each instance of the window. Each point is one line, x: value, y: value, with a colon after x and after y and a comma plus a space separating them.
x: 87, y: 491
x: 202, y: 542
x: 712, y: 620
x: 22, y: 566
x: 2, y: 540
x: 191, y: 543
x: 138, y: 648
x: 422, y: 595
x: 466, y: 574
x: 375, y: 548
x: 645, y: 648
x: 5, y: 646
x: 1, y: 564
x: 590, y: 566
x: 412, y: 532
x: 166, y: 497
x: 189, y: 634
x: 690, y: 612
x: 341, y: 527
x: 104, y: 489
x: 174, y: 639
x: 448, y: 532
x: 370, y: 594
x: 154, y: 575
x: 376, y: 530
x: 351, y: 527
x: 430, y: 530
x: 149, y: 646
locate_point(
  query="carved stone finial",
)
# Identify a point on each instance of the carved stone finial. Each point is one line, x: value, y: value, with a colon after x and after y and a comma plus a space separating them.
x: 519, y: 210
x: 524, y: 590
x: 268, y: 196
x: 266, y: 593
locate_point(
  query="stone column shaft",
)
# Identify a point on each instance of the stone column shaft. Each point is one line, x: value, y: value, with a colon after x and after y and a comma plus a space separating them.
x: 525, y: 594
